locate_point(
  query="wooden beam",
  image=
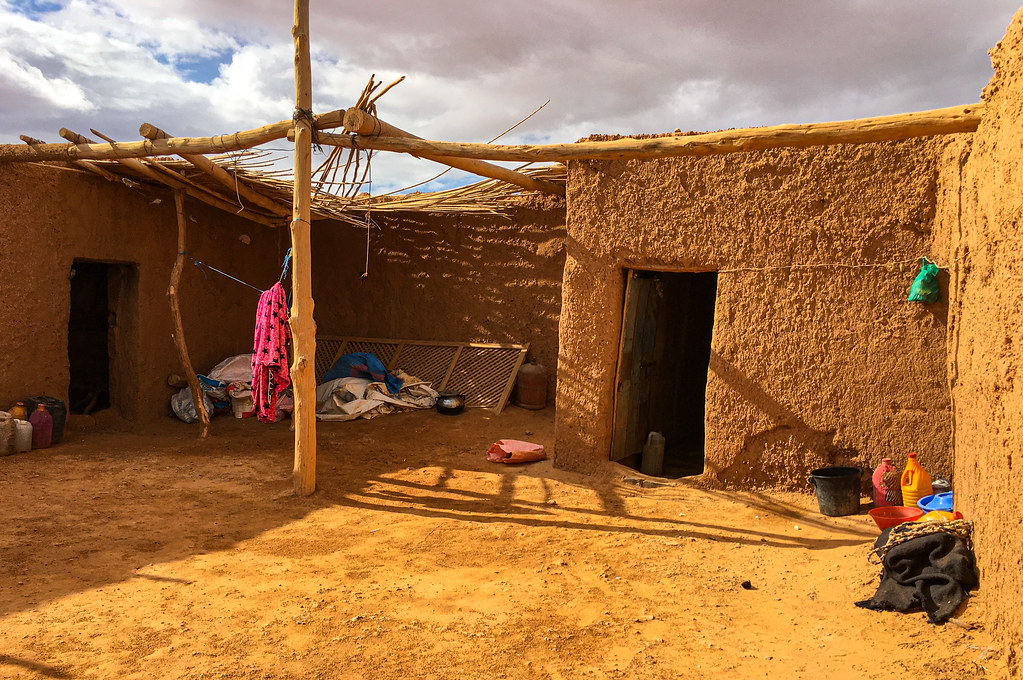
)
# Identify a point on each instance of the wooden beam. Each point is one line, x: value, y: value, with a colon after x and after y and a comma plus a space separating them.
x: 165, y: 176
x: 226, y: 178
x: 236, y: 141
x: 303, y: 327
x: 362, y: 123
x: 85, y: 165
x: 179, y: 330
x: 883, y: 128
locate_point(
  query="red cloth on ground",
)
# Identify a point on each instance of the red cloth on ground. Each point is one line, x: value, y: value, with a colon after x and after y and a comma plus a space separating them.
x: 270, y: 374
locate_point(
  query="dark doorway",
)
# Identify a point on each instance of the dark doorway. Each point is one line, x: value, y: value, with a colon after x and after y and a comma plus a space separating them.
x: 88, y: 337
x: 667, y: 328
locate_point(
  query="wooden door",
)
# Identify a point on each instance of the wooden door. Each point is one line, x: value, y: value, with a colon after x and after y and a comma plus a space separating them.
x: 636, y: 361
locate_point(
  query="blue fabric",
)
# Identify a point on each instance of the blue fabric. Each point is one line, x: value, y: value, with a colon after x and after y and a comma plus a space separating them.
x: 362, y: 365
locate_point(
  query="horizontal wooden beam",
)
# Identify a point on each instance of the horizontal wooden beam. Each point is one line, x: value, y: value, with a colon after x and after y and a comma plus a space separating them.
x: 363, y: 123
x: 85, y: 165
x: 236, y: 141
x: 226, y: 178
x: 883, y: 128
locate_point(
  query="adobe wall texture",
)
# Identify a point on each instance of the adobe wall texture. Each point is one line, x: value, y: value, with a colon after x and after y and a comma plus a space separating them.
x: 987, y: 345
x: 810, y: 366
x: 478, y: 278
x: 49, y: 217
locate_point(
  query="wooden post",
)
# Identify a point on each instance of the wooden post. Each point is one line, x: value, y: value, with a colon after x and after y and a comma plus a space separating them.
x: 303, y: 328
x: 179, y: 330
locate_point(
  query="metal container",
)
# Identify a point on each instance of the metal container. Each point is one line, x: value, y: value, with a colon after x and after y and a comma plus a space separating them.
x: 531, y: 386
x: 450, y: 403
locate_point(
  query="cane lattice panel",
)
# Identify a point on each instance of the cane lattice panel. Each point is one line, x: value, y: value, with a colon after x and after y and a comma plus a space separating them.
x: 327, y: 352
x: 383, y: 349
x: 485, y: 373
x: 430, y: 363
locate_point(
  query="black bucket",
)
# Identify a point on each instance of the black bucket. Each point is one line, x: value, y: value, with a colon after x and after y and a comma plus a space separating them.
x: 838, y: 490
x: 58, y: 411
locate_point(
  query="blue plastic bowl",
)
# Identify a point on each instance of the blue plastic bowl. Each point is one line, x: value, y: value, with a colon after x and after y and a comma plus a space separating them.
x: 937, y: 501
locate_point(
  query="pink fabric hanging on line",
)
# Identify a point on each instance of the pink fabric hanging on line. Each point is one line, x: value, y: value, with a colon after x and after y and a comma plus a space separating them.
x: 270, y: 353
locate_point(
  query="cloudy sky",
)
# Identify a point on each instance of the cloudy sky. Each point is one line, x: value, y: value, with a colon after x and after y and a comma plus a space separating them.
x: 475, y: 67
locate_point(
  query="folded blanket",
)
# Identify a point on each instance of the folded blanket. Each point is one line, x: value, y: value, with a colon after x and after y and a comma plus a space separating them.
x: 933, y: 572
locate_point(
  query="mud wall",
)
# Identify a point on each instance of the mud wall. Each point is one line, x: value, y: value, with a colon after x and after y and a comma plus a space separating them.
x: 813, y: 362
x: 987, y: 344
x: 457, y: 278
x: 50, y: 217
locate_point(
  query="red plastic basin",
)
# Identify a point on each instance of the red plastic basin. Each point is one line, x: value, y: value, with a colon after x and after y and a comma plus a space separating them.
x: 894, y: 514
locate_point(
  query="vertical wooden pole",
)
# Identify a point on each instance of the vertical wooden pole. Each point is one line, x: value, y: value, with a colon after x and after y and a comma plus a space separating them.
x: 179, y: 330
x: 303, y: 328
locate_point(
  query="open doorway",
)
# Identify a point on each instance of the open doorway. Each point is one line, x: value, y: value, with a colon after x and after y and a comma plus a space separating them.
x: 668, y: 324
x: 101, y: 335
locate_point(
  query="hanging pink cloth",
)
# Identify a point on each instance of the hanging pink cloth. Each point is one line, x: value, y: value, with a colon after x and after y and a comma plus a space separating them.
x: 270, y: 353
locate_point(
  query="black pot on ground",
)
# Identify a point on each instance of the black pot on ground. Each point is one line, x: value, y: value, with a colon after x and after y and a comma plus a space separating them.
x: 450, y: 402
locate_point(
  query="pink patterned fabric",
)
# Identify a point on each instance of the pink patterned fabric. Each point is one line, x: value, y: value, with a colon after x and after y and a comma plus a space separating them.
x: 270, y: 353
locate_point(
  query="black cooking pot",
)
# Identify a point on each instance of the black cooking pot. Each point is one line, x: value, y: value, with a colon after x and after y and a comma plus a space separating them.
x: 450, y: 402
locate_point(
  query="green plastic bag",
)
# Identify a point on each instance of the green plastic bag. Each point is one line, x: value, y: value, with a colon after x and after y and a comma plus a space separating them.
x: 925, y: 285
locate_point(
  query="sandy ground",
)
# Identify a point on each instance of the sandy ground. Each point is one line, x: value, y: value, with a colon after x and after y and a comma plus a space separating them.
x: 156, y: 555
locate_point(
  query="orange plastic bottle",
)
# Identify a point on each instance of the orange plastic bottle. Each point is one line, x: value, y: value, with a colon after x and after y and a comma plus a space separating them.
x: 916, y: 483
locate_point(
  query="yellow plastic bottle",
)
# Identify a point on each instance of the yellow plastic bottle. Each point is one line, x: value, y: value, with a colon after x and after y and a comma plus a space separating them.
x: 916, y: 483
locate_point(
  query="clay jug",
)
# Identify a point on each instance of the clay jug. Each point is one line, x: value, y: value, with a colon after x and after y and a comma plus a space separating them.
x: 883, y: 495
x: 916, y: 483
x: 42, y: 427
x: 531, y: 386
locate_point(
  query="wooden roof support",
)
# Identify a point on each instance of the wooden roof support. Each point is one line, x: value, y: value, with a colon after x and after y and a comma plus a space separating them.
x: 363, y: 123
x: 178, y: 334
x: 303, y: 327
x: 226, y: 178
x: 85, y: 165
x: 236, y: 141
x: 162, y: 175
x: 883, y: 128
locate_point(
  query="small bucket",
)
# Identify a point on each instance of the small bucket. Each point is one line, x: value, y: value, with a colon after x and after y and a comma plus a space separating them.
x: 838, y: 490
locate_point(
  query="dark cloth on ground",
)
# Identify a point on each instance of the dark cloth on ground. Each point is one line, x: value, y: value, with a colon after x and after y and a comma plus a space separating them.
x: 933, y: 572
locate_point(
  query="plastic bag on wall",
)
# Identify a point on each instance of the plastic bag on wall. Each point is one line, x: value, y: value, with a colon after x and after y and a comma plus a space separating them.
x: 925, y: 285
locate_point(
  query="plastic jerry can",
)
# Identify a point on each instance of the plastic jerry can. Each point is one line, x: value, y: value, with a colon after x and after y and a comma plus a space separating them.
x: 916, y: 483
x: 881, y: 478
x: 42, y: 427
x: 18, y: 411
x: 22, y: 436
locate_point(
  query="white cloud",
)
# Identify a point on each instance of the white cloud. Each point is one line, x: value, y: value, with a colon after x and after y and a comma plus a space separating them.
x: 474, y: 68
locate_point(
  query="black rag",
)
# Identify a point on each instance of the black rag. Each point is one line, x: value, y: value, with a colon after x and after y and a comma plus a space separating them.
x: 933, y: 572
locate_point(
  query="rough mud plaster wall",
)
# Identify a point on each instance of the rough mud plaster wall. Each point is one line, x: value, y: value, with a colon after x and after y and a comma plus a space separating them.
x: 987, y: 345
x: 49, y: 217
x: 460, y: 278
x: 809, y: 367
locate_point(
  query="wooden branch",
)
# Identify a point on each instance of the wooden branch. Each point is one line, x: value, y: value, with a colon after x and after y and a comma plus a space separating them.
x: 162, y: 147
x: 165, y: 176
x: 884, y: 128
x: 179, y: 330
x: 363, y: 123
x: 85, y: 165
x: 303, y: 327
x: 226, y: 178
